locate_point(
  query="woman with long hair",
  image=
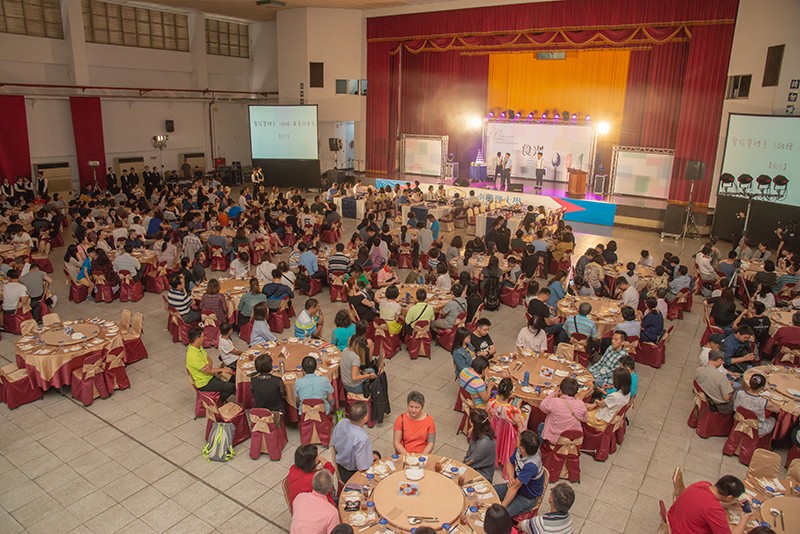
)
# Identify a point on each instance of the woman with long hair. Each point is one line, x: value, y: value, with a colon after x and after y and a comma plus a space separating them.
x: 352, y: 358
x: 249, y: 300
x: 214, y: 301
x: 482, y: 448
x: 558, y: 288
x: 463, y: 351
x: 506, y: 419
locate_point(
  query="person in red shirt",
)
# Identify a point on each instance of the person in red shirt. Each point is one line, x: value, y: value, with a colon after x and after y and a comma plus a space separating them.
x: 301, y: 474
x: 701, y: 508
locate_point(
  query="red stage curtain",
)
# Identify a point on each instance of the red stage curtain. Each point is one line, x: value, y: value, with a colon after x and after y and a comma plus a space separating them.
x: 701, y: 109
x: 635, y: 95
x: 15, y: 152
x: 87, y: 126
x: 378, y: 99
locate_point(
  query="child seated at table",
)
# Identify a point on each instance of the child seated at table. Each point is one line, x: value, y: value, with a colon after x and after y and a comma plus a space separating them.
x: 602, y: 411
x: 753, y: 401
x: 228, y: 353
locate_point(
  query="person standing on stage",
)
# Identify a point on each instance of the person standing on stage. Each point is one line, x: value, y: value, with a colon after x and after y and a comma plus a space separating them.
x: 540, y: 170
x: 498, y: 166
x: 506, y: 180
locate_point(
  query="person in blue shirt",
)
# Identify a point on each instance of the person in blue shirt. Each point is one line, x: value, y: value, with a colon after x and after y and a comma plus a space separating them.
x: 433, y: 224
x: 539, y: 244
x: 345, y: 329
x: 308, y: 259
x: 736, y: 349
x: 630, y: 364
x: 154, y: 226
x: 275, y: 291
x: 234, y: 210
x: 681, y: 281
x: 525, y: 476
x: 312, y: 386
x: 463, y: 351
x: 652, y: 322
x: 557, y: 288
x: 412, y: 220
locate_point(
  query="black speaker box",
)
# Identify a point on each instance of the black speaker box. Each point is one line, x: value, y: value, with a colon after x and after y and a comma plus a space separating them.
x: 169, y: 126
x: 695, y: 170
x: 674, y: 219
x: 515, y: 188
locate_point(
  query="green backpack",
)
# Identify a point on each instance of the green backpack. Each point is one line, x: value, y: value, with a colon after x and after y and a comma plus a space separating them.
x: 220, y: 443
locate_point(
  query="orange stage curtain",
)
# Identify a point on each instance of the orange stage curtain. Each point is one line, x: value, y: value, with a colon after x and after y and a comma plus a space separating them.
x: 586, y: 82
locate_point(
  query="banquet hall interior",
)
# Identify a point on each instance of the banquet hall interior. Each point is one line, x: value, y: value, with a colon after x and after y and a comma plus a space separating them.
x: 170, y: 171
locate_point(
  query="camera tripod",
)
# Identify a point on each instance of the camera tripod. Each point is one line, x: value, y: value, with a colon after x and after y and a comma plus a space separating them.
x: 689, y: 223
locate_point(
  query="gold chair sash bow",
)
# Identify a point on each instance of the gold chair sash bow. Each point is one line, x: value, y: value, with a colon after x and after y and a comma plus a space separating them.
x: 115, y: 359
x: 125, y: 279
x: 261, y: 424
x: 382, y: 330
x: 578, y: 344
x: 27, y: 327
x: 100, y: 280
x: 337, y: 280
x: 209, y: 319
x: 744, y: 425
x: 216, y: 252
x: 260, y: 245
x: 161, y: 270
x: 90, y: 370
x: 699, y: 399
x: 566, y: 350
x: 790, y: 355
x: 568, y: 447
x: 421, y: 332
x: 312, y: 413
x: 212, y: 411
x: 630, y: 347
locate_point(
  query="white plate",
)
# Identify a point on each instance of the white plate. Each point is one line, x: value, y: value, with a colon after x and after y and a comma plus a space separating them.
x: 527, y: 389
x: 412, y: 460
x: 358, y: 519
x: 292, y: 340
x: 794, y: 392
x: 415, y: 474
x: 481, y: 487
x: 289, y: 376
x: 381, y: 469
x: 561, y: 372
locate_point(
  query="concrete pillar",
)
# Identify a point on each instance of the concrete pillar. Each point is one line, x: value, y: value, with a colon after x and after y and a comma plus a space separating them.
x: 75, y: 37
x: 197, y: 48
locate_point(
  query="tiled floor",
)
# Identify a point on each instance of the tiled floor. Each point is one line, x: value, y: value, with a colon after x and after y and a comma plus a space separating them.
x: 132, y: 463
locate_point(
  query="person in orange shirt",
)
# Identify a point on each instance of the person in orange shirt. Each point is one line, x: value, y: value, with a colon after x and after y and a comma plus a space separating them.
x: 414, y: 430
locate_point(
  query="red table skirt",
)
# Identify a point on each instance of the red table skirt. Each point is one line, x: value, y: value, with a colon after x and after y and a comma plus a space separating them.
x: 62, y: 377
x: 785, y: 422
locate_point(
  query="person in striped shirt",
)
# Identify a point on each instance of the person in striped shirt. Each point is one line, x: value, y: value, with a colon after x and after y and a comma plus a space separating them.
x: 339, y: 261
x: 557, y: 520
x: 309, y: 321
x: 178, y: 298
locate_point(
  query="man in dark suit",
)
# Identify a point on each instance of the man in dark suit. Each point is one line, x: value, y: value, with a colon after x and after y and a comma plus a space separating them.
x: 124, y: 181
x: 147, y: 177
x: 111, y: 179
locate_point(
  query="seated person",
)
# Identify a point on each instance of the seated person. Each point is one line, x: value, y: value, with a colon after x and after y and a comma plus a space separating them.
x: 312, y: 511
x: 482, y: 449
x: 629, y: 296
x: 414, y: 430
x: 532, y: 336
x: 681, y: 281
x: 471, y: 380
x: 451, y: 311
x: 261, y: 332
x: 390, y: 310
x: 629, y: 325
x: 561, y: 499
x: 715, y: 385
x: 652, y: 322
x: 312, y: 386
x: 581, y: 323
x: 200, y: 367
x: 481, y: 341
x: 421, y: 311
x: 387, y: 275
x: 563, y: 412
x: 351, y: 442
x: 306, y: 462
x: 463, y: 351
x: 525, y: 476
x: 702, y: 507
x: 268, y: 390
x: 276, y: 291
x: 538, y: 306
x: 739, y: 356
x: 309, y: 321
x: 750, y: 399
x: 353, y: 358
x: 345, y: 329
x: 602, y: 411
x: 603, y: 370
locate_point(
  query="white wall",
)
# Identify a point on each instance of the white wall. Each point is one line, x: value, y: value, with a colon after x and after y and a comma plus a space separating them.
x: 292, y: 55
x: 33, y: 60
x: 231, y: 131
x: 264, y: 60
x: 758, y: 28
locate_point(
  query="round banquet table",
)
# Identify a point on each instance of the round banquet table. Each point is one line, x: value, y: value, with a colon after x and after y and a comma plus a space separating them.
x: 232, y: 288
x: 147, y: 258
x: 606, y: 313
x: 479, y: 261
x: 438, y: 298
x: 227, y: 232
x: 751, y: 267
x: 779, y: 317
x: 10, y: 251
x: 295, y: 350
x: 50, y: 354
x: 783, y: 496
x: 780, y: 380
x: 613, y: 272
x: 439, y: 495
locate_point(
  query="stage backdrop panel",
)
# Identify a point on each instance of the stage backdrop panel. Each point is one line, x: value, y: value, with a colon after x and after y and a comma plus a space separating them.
x: 563, y: 146
x: 764, y: 144
x: 423, y: 155
x: 642, y: 174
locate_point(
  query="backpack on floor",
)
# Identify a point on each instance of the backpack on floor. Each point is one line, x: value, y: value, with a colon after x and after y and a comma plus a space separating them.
x: 219, y: 447
x: 491, y: 294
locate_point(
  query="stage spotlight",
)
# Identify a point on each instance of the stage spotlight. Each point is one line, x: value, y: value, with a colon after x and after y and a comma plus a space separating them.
x: 503, y: 115
x: 474, y: 122
x: 574, y: 117
x: 544, y: 116
x: 556, y: 117
x: 764, y: 180
x: 530, y: 115
x: 745, y: 180
x: 491, y: 114
x: 780, y: 181
x: 519, y: 114
x: 726, y: 178
x: 603, y: 128
x: 588, y: 118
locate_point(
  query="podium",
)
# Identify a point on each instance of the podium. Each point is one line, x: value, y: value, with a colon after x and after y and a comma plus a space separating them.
x: 576, y: 183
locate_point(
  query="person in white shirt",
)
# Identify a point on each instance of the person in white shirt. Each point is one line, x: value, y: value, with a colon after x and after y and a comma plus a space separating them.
x: 22, y: 237
x: 119, y: 231
x: 646, y: 259
x: 240, y: 267
x: 628, y: 294
x: 704, y: 267
x: 540, y: 170
x: 137, y: 227
x: 264, y: 272
x: 661, y: 301
x: 533, y: 336
x: 714, y: 342
x: 498, y: 166
x: 13, y: 292
x: 228, y: 353
x: 126, y: 262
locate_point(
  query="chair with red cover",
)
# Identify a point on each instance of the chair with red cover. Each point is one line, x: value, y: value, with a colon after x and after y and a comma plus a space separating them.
x: 705, y: 422
x: 580, y: 348
x: 132, y: 337
x: 533, y: 512
x: 601, y: 443
x: 563, y: 458
x: 16, y: 387
x: 279, y: 320
x: 178, y: 328
x: 653, y: 354
x: 77, y: 292
x: 787, y: 355
x: 338, y: 289
x: 314, y: 284
x: 674, y: 310
x: 227, y: 413
x: 564, y: 265
x: 328, y: 236
x: 353, y: 398
x: 12, y: 322
x: 711, y: 328
x: 219, y: 261
x: 289, y: 238
x: 315, y: 425
x: 116, y: 376
x: 89, y: 381
x: 744, y: 438
x: 246, y: 330
x: 385, y: 342
x: 445, y: 338
x: 42, y: 256
x: 260, y: 248
x: 268, y: 434
x: 404, y: 260
x: 472, y: 325
x: 157, y: 280
x: 512, y: 296
x: 210, y: 323
x: 203, y: 397
x: 103, y: 291
x: 129, y: 289
x: 465, y: 404
x: 419, y: 342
